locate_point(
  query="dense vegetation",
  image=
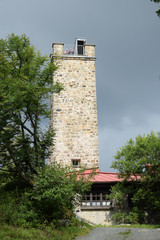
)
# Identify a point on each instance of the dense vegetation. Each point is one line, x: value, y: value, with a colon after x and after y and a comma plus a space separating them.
x: 51, y: 200
x: 138, y: 162
x: 32, y: 194
x: 26, y: 80
x: 47, y: 233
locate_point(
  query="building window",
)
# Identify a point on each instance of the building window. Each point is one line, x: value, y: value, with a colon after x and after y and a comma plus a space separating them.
x: 75, y: 162
x: 94, y: 200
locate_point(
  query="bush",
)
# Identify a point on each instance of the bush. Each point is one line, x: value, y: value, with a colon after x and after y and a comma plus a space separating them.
x: 54, y: 191
x: 133, y: 217
x: 138, y: 163
x: 51, y: 200
x: 120, y: 217
x: 17, y: 210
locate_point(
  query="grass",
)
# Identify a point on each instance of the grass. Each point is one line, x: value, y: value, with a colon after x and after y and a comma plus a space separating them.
x: 63, y: 233
x: 127, y: 233
x: 154, y: 226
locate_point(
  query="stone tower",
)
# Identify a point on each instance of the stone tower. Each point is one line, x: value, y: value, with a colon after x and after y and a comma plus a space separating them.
x: 74, y: 110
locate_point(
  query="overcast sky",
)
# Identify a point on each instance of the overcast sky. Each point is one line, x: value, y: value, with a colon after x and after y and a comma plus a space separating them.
x: 127, y: 38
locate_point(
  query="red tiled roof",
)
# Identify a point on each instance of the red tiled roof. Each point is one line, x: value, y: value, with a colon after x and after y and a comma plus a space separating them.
x: 105, y: 177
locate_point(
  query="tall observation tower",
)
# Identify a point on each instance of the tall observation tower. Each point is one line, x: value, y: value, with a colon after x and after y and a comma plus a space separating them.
x: 74, y: 110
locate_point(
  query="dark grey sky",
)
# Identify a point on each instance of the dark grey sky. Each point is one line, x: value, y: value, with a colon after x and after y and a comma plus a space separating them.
x: 127, y: 38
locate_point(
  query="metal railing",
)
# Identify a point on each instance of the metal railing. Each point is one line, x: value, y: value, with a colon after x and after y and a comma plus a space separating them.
x: 72, y: 49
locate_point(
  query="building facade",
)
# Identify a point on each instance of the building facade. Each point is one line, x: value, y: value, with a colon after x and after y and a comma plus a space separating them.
x: 74, y: 110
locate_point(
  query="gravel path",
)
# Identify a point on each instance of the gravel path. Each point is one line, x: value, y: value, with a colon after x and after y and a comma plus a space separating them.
x: 105, y: 233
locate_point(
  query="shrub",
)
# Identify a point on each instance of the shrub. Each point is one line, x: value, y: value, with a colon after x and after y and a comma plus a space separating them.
x: 120, y: 217
x: 51, y: 200
x: 54, y: 191
x: 133, y: 217
x: 17, y: 210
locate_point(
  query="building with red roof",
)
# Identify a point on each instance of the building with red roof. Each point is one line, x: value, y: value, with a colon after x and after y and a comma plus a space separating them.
x: 96, y: 207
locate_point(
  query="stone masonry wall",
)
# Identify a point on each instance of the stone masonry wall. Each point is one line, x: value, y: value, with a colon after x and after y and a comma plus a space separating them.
x: 98, y: 216
x: 74, y: 112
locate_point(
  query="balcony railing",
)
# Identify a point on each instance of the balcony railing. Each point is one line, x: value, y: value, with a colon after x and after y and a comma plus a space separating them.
x: 72, y: 49
x: 96, y: 201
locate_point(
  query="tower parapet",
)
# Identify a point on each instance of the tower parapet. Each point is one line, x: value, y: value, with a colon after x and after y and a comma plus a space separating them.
x: 79, y: 49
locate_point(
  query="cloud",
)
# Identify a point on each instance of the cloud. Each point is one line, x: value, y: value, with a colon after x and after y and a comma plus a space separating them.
x: 111, y: 139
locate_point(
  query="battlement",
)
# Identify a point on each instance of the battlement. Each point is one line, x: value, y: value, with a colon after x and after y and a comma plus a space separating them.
x: 79, y: 49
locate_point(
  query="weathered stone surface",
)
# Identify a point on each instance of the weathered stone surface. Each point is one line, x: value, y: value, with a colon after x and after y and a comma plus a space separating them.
x: 74, y: 110
x: 98, y: 216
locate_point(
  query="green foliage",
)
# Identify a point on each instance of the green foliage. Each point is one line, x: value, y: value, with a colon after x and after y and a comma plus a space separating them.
x: 119, y: 217
x: 25, y: 84
x: 119, y: 195
x: 132, y: 217
x: 47, y: 233
x: 125, y: 234
x: 17, y: 210
x: 140, y: 158
x: 55, y: 189
x: 31, y: 193
x: 157, y: 1
x: 51, y: 200
x: 138, y: 162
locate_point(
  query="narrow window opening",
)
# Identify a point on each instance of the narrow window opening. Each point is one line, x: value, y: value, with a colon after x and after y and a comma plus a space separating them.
x: 75, y: 162
x: 80, y: 47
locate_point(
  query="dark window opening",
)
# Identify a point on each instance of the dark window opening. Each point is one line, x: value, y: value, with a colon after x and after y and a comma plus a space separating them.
x: 80, y: 47
x: 75, y: 162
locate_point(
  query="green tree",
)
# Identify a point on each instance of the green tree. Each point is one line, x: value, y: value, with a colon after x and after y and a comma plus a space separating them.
x: 25, y: 84
x: 158, y: 11
x: 40, y: 193
x: 138, y: 162
x: 57, y: 191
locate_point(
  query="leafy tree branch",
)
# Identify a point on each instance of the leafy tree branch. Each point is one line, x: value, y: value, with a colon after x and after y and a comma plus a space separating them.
x: 158, y: 11
x: 26, y: 81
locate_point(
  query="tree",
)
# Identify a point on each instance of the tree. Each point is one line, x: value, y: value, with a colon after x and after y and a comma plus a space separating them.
x: 25, y: 84
x: 157, y: 1
x: 57, y: 191
x: 140, y: 157
x: 39, y: 192
x: 138, y: 162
